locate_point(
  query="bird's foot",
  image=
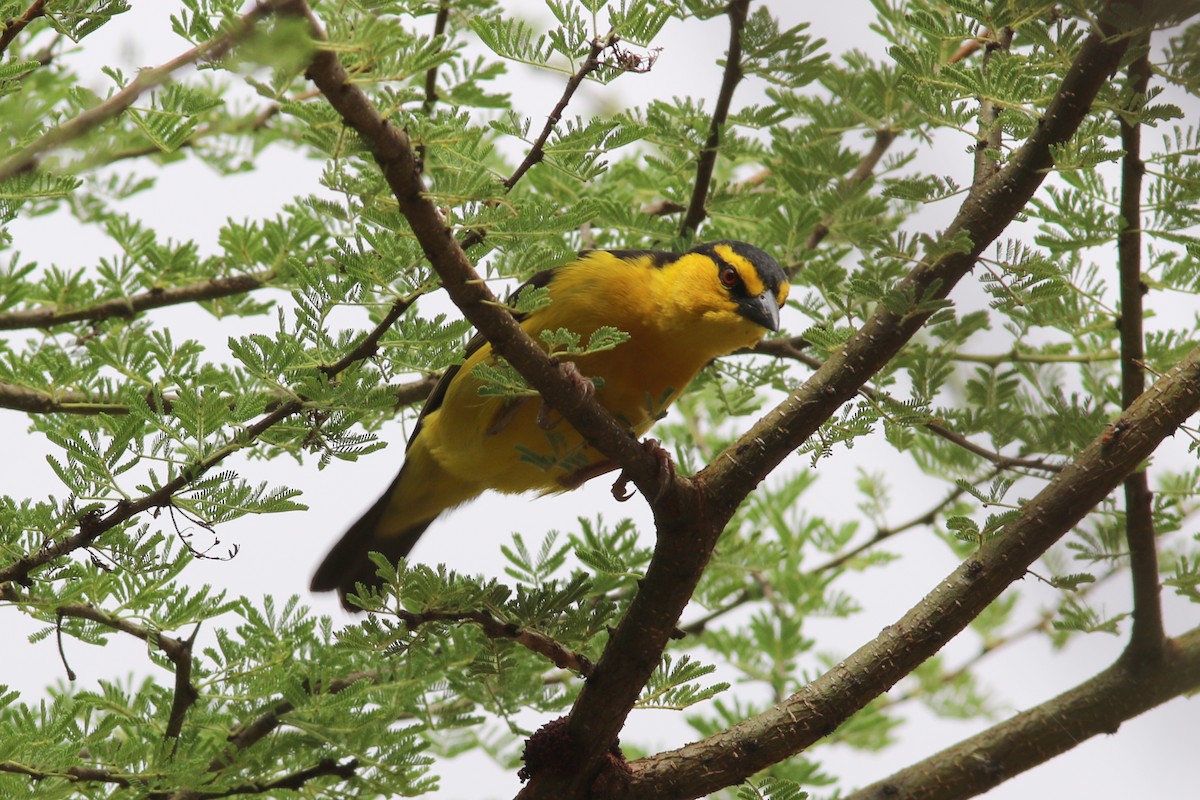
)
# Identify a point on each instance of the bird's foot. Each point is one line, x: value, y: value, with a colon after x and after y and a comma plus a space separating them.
x: 666, y: 473
x: 548, y: 419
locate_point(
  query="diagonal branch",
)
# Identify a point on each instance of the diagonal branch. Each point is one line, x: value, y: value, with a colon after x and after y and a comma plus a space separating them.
x: 1000, y: 460
x: 146, y: 80
x: 707, y: 160
x: 1097, y: 706
x: 493, y: 628
x: 883, y: 140
x: 807, y: 716
x: 883, y: 533
x: 13, y: 27
x: 688, y: 531
x: 538, y: 152
x: 394, y: 153
x: 1147, y: 637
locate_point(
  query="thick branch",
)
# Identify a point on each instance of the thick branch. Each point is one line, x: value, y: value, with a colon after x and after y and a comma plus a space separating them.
x: 146, y: 80
x: 1148, y: 636
x: 688, y: 532
x: 707, y: 160
x: 1097, y: 706
x: 789, y: 727
x: 124, y: 307
x: 982, y: 218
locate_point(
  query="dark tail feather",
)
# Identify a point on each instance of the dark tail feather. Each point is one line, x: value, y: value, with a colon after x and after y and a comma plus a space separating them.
x: 348, y: 564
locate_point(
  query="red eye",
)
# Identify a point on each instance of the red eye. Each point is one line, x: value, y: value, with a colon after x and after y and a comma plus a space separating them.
x: 729, y: 277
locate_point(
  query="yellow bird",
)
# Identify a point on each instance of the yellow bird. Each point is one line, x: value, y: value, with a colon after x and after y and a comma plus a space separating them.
x: 680, y: 311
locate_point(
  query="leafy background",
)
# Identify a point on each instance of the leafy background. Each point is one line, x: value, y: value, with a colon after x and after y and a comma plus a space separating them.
x: 276, y: 553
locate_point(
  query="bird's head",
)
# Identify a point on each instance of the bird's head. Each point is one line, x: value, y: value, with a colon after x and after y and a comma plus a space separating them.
x: 733, y: 290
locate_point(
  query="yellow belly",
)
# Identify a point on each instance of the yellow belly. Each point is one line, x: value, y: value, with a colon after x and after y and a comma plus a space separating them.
x: 506, y: 444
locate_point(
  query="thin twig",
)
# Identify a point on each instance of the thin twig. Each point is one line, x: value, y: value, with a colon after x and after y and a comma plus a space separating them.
x: 145, y: 81
x: 1019, y: 356
x: 883, y: 140
x: 785, y: 347
x: 439, y: 28
x: 42, y: 401
x: 177, y: 651
x: 745, y: 596
x: 245, y: 124
x: 14, y: 27
x: 293, y: 781
x: 737, y: 11
x: 1148, y: 637
x: 71, y: 775
x: 127, y: 307
x: 539, y: 643
x: 537, y: 152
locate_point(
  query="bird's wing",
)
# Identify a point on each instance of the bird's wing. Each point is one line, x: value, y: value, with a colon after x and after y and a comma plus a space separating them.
x: 438, y: 395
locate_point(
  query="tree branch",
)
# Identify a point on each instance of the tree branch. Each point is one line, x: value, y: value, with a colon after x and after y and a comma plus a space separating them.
x: 14, y: 27
x: 126, y: 307
x: 991, y: 134
x: 1148, y: 637
x: 145, y: 81
x: 72, y: 775
x: 439, y: 28
x: 41, y: 401
x: 737, y: 11
x: 493, y: 628
x: 393, y: 152
x: 818, y: 708
x: 537, y: 152
x: 1097, y: 706
x: 688, y: 531
x: 1000, y: 460
x: 881, y: 534
x: 293, y: 781
x: 883, y: 140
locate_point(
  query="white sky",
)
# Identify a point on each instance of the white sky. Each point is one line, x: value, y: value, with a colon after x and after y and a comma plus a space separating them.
x: 1151, y: 755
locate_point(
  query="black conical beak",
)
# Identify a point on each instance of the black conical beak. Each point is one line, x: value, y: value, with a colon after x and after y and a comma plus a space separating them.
x: 763, y: 309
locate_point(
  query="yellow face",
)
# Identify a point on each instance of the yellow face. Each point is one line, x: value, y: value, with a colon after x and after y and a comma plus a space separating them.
x: 723, y: 296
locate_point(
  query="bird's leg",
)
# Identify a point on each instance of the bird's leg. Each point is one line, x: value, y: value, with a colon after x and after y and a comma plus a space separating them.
x: 666, y: 472
x: 548, y: 418
x: 505, y: 415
